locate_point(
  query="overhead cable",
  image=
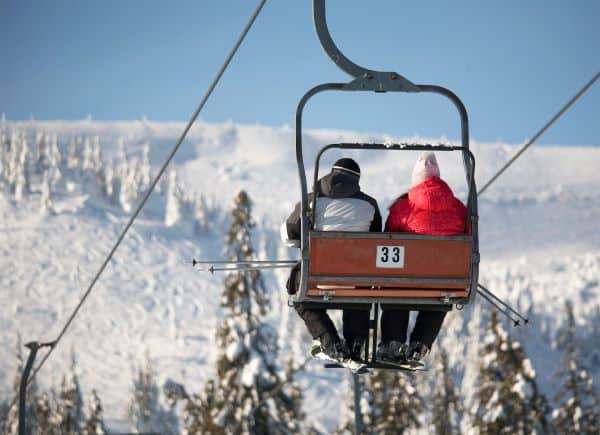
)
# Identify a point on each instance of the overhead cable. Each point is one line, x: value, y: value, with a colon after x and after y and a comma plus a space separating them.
x: 541, y: 131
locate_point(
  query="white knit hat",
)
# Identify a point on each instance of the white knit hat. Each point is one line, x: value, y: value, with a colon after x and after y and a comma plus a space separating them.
x: 425, y: 167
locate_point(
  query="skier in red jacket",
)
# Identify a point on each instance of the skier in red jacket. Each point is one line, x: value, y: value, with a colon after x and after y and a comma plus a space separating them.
x: 430, y: 208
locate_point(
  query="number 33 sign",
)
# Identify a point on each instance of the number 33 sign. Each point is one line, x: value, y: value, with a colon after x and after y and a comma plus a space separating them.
x: 390, y: 256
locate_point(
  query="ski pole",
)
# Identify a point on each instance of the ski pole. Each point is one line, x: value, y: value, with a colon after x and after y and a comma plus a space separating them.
x: 502, y: 310
x: 194, y: 262
x: 489, y: 293
x: 245, y: 268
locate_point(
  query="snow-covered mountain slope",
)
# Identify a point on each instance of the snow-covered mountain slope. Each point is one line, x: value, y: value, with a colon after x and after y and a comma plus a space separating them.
x: 539, y: 243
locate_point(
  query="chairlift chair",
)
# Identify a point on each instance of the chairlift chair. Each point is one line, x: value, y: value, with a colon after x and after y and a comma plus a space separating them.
x: 342, y: 269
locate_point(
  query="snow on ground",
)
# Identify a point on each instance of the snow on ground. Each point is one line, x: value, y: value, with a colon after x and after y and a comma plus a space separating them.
x: 539, y: 246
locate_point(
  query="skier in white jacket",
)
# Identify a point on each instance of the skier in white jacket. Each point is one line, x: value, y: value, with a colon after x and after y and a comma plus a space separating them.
x: 340, y: 206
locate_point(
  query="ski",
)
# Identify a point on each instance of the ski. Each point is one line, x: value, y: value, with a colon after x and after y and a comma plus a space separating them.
x: 354, y: 366
x: 412, y: 367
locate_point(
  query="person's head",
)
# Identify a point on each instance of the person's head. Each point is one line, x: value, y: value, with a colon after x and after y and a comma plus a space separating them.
x: 425, y: 167
x: 346, y: 166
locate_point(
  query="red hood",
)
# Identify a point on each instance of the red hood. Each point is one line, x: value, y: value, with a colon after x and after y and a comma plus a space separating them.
x: 432, y: 194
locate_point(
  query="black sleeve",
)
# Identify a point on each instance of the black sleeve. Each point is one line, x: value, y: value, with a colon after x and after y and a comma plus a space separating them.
x: 293, y: 221
x: 376, y: 222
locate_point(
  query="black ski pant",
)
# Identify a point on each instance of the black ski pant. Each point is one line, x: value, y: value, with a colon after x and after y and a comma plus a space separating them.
x: 318, y: 322
x: 394, y: 326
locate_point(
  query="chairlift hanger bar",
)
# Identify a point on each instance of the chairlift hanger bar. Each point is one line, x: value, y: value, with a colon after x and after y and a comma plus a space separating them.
x: 365, y: 79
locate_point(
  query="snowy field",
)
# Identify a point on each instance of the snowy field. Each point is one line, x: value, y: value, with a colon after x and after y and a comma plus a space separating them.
x: 540, y: 246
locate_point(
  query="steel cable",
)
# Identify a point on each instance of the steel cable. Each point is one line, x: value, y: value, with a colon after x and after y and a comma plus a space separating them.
x: 541, y: 131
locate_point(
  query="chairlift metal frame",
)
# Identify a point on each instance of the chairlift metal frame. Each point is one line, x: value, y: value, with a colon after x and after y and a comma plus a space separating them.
x: 380, y: 82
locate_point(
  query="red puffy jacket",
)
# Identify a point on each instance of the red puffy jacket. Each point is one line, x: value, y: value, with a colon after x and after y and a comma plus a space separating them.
x: 429, y: 208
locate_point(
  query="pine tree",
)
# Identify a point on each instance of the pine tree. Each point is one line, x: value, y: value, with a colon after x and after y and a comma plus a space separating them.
x: 172, y: 208
x: 54, y: 161
x: 87, y: 163
x: 124, y: 190
x: 198, y: 414
x: 508, y: 398
x: 389, y: 404
x: 347, y: 423
x: 578, y: 410
x: 70, y: 402
x: 145, y: 411
x: 397, y: 402
x: 143, y: 173
x: 446, y: 402
x: 94, y: 424
x: 247, y: 396
x: 72, y: 154
x: 24, y: 164
x: 47, y: 418
x: 200, y: 220
x: 46, y: 205
x: 4, y: 406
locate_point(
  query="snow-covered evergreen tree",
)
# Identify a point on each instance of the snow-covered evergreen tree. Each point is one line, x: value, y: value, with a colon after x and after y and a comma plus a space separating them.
x: 48, y: 421
x: 145, y: 410
x: 200, y: 223
x: 390, y: 403
x: 105, y: 180
x: 143, y: 173
x: 198, y: 414
x: 54, y: 162
x: 16, y: 160
x: 87, y: 163
x: 25, y: 164
x: 173, y: 206
x: 70, y: 402
x: 46, y: 205
x: 446, y: 402
x: 96, y: 157
x: 94, y: 423
x: 73, y: 154
x: 578, y: 407
x: 4, y: 406
x: 124, y: 187
x: 40, y: 162
x: 508, y: 399
x: 19, y: 182
x: 347, y: 424
x: 247, y: 396
x: 397, y: 404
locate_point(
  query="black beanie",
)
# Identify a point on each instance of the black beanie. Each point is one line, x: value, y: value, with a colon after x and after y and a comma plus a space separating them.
x: 347, y: 165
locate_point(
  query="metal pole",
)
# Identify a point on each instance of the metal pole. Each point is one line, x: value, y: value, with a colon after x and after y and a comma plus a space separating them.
x: 358, y: 421
x: 33, y: 348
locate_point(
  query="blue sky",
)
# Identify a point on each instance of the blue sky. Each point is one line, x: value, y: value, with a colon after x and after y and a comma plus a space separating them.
x: 513, y: 63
